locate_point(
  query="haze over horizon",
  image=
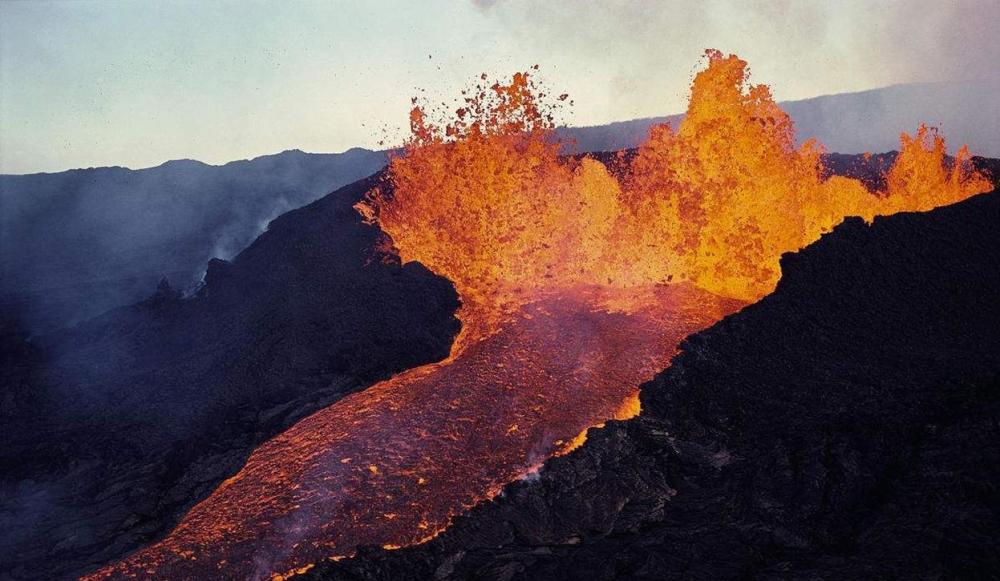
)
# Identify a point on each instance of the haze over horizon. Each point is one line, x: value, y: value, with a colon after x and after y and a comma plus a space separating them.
x: 87, y: 84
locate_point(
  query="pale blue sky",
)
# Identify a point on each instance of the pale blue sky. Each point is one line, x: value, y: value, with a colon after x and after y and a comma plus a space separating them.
x: 85, y: 83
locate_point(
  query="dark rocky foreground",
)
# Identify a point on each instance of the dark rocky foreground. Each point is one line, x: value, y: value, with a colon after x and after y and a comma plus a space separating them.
x: 845, y: 427
x: 110, y: 430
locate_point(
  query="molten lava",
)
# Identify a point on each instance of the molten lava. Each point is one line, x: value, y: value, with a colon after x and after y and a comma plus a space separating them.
x: 562, y: 265
x: 393, y: 464
x: 487, y: 201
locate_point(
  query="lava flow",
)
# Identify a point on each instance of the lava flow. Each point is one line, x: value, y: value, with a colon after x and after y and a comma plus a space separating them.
x: 392, y: 464
x: 563, y: 268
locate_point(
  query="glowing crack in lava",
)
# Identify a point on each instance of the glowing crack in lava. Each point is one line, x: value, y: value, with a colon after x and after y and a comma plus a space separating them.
x: 562, y: 265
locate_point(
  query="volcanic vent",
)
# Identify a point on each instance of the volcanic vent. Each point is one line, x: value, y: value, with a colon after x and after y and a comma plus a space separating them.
x: 578, y: 280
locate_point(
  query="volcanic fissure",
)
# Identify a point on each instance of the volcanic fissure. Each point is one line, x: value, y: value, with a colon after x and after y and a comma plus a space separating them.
x: 579, y: 277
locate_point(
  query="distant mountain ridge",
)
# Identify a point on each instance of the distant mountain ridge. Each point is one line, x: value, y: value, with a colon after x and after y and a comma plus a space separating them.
x: 966, y: 112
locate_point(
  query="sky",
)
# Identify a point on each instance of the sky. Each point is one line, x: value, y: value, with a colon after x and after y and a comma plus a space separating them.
x: 114, y: 82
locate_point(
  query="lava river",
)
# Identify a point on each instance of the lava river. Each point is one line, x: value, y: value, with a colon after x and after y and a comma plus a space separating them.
x: 391, y: 465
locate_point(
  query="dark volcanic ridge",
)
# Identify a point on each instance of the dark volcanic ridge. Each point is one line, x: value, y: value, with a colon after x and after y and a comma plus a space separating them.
x: 110, y: 430
x: 75, y: 244
x: 844, y: 427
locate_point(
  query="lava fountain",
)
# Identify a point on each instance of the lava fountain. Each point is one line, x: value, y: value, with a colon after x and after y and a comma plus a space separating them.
x: 578, y: 281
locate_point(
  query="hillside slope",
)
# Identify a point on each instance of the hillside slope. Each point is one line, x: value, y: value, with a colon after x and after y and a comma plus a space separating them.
x: 111, y: 429
x: 77, y: 243
x: 844, y: 427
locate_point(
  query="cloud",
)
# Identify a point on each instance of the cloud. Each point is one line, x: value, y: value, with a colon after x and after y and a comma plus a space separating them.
x: 484, y: 4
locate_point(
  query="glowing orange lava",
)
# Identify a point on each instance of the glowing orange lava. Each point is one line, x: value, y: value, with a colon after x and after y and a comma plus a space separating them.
x: 562, y: 267
x: 393, y: 464
x: 487, y: 201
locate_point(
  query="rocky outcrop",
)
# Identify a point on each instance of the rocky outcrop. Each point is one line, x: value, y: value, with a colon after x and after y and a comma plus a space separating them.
x: 112, y: 429
x: 845, y: 427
